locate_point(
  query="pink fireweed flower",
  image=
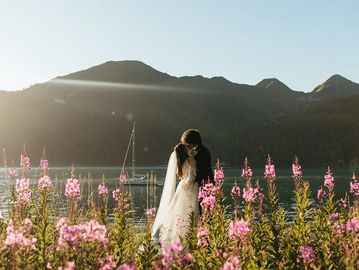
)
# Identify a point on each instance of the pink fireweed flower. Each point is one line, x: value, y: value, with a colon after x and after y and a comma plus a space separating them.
x: 249, y: 194
x: 151, y: 212
x: 123, y: 179
x: 109, y: 265
x: 44, y: 164
x: 13, y: 173
x: 22, y: 189
x: 68, y: 266
x: 354, y: 186
x: 329, y: 179
x: 25, y: 162
x: 247, y: 172
x: 91, y: 231
x: 17, y: 237
x: 102, y: 189
x: 126, y: 266
x: 175, y: 256
x: 269, y: 171
x: 208, y: 203
x: 116, y: 194
x: 203, y: 236
x: 321, y: 194
x: 238, y: 229
x: 44, y: 183
x: 72, y: 188
x: 352, y: 225
x: 236, y: 191
x: 334, y: 215
x: 232, y: 264
x: 219, y: 175
x: 307, y: 254
x: 297, y: 170
x: 208, y: 190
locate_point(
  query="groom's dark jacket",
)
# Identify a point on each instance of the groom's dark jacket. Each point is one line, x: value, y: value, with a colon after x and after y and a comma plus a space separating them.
x: 204, y: 165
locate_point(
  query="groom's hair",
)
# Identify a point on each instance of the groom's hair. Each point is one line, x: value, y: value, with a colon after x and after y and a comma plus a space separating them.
x: 191, y: 136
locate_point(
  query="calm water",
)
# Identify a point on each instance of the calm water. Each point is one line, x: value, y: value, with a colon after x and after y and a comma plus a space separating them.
x: 90, y: 177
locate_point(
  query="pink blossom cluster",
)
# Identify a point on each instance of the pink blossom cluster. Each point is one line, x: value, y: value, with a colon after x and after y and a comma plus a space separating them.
x: 269, y: 171
x: 102, y: 189
x: 123, y: 178
x: 44, y: 164
x: 232, y: 264
x: 238, y: 229
x: 151, y: 212
x: 219, y: 175
x: 249, y: 194
x: 321, y: 194
x: 116, y: 194
x: 206, y: 196
x: 68, y: 266
x: 307, y: 254
x: 208, y: 203
x: 17, y: 237
x: 126, y: 266
x: 207, y: 190
x: 121, y: 200
x: 247, y: 172
x: 23, y: 192
x: 329, y: 179
x: 236, y: 191
x: 72, y: 188
x: 44, y: 183
x: 13, y: 173
x: 25, y: 161
x: 108, y: 264
x: 91, y: 231
x: 354, y: 188
x: 203, y: 236
x: 174, y: 256
x: 352, y: 225
x: 297, y: 170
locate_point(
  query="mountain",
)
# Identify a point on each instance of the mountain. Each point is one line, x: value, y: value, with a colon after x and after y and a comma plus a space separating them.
x: 335, y: 87
x: 86, y: 117
x: 273, y: 84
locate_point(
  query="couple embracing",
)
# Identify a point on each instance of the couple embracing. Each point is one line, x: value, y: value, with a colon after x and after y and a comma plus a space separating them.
x: 190, y: 162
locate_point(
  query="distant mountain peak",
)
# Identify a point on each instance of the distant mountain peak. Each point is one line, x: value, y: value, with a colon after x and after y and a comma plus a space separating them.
x: 336, y: 86
x: 127, y: 71
x: 273, y: 83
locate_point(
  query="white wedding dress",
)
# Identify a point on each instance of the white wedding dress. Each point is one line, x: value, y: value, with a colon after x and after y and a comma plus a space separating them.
x: 176, y: 205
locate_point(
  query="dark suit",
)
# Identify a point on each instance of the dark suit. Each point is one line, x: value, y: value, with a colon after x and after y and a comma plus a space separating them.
x: 204, y: 165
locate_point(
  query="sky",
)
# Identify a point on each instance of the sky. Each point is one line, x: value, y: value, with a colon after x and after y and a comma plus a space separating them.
x: 302, y: 43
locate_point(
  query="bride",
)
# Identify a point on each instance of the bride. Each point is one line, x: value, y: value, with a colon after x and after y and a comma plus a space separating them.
x: 172, y: 219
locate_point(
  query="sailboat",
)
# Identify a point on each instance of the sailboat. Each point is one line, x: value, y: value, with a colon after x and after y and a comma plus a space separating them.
x: 135, y: 179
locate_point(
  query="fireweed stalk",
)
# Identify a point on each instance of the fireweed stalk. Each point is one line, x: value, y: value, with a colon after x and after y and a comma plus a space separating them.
x: 102, y: 191
x: 72, y: 192
x: 44, y: 225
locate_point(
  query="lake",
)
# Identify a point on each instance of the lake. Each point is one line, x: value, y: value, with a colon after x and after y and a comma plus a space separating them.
x: 90, y: 177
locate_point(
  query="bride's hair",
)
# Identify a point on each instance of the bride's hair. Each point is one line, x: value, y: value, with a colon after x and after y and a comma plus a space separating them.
x: 191, y: 136
x: 181, y: 157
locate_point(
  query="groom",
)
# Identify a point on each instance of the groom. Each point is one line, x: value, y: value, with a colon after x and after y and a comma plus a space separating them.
x: 192, y: 138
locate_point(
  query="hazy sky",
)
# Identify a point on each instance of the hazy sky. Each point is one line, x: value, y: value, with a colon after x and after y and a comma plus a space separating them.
x: 301, y: 43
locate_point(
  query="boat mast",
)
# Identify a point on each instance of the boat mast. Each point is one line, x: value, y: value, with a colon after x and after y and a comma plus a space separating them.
x: 133, y: 149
